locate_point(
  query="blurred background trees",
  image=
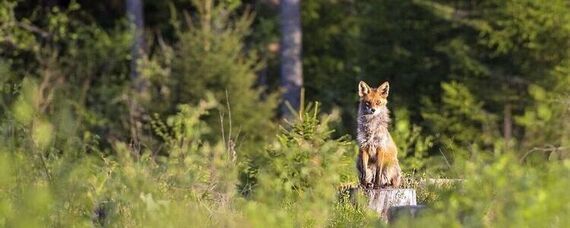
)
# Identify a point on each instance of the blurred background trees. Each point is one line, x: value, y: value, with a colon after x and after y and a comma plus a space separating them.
x: 475, y: 76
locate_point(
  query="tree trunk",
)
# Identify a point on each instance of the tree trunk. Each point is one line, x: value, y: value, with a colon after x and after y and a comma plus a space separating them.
x: 290, y: 52
x: 507, y: 125
x: 135, y: 15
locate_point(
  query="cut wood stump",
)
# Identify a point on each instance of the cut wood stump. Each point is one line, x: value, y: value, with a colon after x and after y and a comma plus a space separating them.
x: 380, y: 200
x: 398, y: 212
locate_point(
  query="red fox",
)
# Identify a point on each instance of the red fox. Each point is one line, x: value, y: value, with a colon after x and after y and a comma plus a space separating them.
x: 377, y: 161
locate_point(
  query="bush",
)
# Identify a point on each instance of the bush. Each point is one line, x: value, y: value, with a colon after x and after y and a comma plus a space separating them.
x: 500, y: 193
x: 299, y: 173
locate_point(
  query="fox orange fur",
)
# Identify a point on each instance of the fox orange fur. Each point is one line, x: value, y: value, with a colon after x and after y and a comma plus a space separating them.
x: 377, y: 161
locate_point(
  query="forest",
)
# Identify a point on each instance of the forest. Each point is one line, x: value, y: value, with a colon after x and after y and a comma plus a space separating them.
x: 209, y: 113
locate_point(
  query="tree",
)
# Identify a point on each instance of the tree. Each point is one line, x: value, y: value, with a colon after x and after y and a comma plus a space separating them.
x: 210, y: 59
x: 511, y: 56
x: 136, y: 17
x: 290, y: 51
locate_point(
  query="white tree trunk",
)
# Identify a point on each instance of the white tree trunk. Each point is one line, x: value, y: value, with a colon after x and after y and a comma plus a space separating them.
x: 290, y: 53
x: 135, y: 15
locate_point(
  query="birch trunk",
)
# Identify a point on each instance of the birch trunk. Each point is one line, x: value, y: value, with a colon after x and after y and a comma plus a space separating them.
x: 290, y: 53
x: 135, y: 15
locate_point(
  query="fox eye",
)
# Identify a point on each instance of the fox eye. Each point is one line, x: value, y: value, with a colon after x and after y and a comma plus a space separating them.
x: 377, y: 102
x: 367, y: 103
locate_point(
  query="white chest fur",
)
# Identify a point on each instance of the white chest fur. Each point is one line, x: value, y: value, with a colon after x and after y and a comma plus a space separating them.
x: 372, y: 131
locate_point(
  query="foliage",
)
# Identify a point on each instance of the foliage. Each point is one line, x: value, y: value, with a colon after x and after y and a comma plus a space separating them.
x: 501, y: 192
x: 301, y: 170
x: 413, y: 145
x: 196, y: 178
x: 551, y: 109
x: 125, y: 190
x: 210, y: 57
x: 463, y: 126
x: 503, y: 56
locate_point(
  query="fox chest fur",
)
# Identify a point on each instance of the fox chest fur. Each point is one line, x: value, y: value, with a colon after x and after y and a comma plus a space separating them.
x: 374, y: 138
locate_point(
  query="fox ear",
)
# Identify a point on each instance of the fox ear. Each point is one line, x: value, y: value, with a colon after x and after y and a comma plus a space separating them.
x: 363, y: 88
x: 384, y: 89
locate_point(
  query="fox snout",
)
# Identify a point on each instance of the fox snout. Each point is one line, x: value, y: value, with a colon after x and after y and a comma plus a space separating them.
x: 368, y: 109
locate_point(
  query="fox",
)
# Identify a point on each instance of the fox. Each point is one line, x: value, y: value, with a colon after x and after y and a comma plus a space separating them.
x: 377, y: 161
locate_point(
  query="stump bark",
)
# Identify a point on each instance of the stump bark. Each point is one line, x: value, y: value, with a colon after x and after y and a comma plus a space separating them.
x: 380, y: 200
x: 398, y: 212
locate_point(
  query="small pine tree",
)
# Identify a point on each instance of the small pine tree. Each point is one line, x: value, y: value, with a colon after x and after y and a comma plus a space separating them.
x: 298, y: 174
x: 463, y: 128
x: 210, y: 57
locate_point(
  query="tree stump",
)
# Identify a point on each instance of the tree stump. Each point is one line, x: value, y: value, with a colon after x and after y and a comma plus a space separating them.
x: 398, y: 212
x: 380, y: 200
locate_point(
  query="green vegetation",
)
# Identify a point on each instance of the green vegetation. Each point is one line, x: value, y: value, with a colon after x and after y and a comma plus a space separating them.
x: 480, y: 92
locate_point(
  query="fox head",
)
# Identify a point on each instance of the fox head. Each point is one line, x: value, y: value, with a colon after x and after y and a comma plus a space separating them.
x: 373, y: 100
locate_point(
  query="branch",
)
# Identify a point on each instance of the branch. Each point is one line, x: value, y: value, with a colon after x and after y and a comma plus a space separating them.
x: 549, y: 148
x: 34, y: 29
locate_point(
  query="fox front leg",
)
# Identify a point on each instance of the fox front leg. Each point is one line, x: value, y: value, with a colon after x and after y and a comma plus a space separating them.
x: 391, y: 176
x: 396, y: 181
x: 362, y: 165
x: 380, y: 180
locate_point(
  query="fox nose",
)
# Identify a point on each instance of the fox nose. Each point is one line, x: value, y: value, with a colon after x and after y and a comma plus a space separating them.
x: 372, y: 110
